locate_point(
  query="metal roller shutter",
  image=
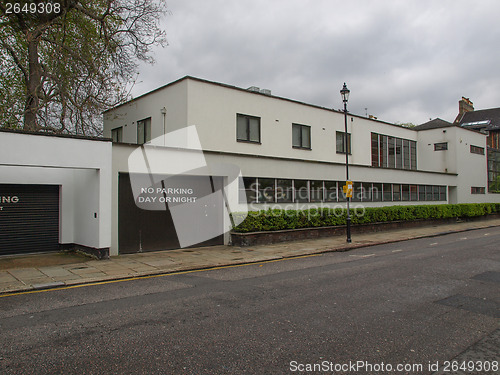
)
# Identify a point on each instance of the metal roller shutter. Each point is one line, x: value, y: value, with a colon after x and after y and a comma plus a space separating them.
x: 29, y: 218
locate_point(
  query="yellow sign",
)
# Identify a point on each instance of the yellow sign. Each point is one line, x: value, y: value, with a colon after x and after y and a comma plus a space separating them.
x: 347, y: 189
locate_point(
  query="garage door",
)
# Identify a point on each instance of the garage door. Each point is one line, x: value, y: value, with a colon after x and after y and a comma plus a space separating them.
x: 168, y: 213
x: 29, y: 218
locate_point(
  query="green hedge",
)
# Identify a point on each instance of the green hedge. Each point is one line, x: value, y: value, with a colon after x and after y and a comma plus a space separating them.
x: 270, y: 220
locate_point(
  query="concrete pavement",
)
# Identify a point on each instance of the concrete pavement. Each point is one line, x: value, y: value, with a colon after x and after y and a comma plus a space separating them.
x: 43, y: 275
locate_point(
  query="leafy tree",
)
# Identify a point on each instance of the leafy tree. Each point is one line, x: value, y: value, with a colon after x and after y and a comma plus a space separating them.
x: 62, y: 65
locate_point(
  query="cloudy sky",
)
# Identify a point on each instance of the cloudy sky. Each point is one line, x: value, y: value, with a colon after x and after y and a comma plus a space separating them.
x: 404, y: 61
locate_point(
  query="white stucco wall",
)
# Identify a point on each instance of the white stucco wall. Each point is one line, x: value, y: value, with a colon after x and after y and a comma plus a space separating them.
x: 81, y: 167
x: 173, y: 98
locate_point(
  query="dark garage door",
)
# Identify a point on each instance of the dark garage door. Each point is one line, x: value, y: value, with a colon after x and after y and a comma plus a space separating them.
x: 150, y: 227
x: 29, y: 218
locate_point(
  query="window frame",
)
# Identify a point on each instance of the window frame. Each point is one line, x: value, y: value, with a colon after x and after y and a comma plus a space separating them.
x: 301, y: 129
x: 441, y: 146
x: 248, y: 132
x: 146, y: 123
x: 349, y: 142
x: 119, y: 134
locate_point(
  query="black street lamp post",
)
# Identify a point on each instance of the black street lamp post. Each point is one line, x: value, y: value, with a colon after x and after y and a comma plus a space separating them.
x: 345, y: 97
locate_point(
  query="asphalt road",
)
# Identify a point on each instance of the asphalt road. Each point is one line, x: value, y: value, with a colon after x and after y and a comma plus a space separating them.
x: 414, y: 303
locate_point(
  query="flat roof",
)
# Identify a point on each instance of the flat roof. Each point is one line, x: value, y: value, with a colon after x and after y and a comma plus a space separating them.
x: 249, y: 92
x: 47, y: 134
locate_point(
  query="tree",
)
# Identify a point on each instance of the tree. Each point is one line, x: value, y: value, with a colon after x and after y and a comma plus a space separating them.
x: 63, y: 64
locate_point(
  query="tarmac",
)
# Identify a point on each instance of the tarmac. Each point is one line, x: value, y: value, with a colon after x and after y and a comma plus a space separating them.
x: 21, y: 274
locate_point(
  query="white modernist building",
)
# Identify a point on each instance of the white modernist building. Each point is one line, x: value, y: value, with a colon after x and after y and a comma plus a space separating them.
x: 290, y: 155
x: 186, y: 155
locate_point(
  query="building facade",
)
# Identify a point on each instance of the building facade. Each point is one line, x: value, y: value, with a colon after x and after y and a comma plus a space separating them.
x: 187, y: 155
x: 291, y: 154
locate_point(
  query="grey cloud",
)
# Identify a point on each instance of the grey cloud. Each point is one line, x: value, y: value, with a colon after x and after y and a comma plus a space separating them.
x: 406, y: 61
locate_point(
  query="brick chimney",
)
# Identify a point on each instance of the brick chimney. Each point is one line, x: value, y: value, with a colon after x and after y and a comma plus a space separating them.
x: 464, y: 105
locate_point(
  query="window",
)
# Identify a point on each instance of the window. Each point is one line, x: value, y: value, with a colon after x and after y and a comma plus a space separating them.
x: 266, y: 190
x: 341, y: 149
x: 330, y: 191
x: 405, y: 192
x: 387, y: 195
x: 396, y: 192
x: 248, y: 192
x: 375, y: 150
x: 476, y: 150
x: 442, y: 193
x: 377, y: 192
x: 340, y: 191
x: 117, y: 134
x: 406, y: 154
x: 247, y: 128
x: 399, y: 153
x: 301, y: 136
x: 392, y: 152
x: 443, y: 146
x: 284, y: 191
x: 413, y: 192
x: 413, y: 155
x: 477, y: 190
x: 301, y: 190
x: 493, y: 170
x: 144, y: 131
x: 357, y: 192
x: 316, y: 191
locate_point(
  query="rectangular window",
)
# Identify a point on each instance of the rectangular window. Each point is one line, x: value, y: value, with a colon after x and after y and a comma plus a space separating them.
x: 330, y: 191
x: 377, y: 192
x: 477, y: 190
x: 284, y: 191
x: 414, y: 192
x: 357, y: 193
x: 301, y: 190
x: 384, y: 153
x: 144, y: 131
x: 247, y: 128
x: 406, y: 154
x: 405, y: 195
x: 442, y: 193
x: 366, y: 192
x: 477, y: 150
x: 340, y: 190
x: 443, y: 146
x: 117, y: 134
x: 435, y: 193
x: 316, y: 191
x: 266, y: 190
x: 428, y: 192
x: 421, y: 192
x: 387, y: 194
x: 248, y: 191
x: 399, y: 153
x: 301, y: 136
x: 396, y: 192
x: 392, y: 153
x: 341, y: 149
x: 413, y: 155
x: 375, y: 150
